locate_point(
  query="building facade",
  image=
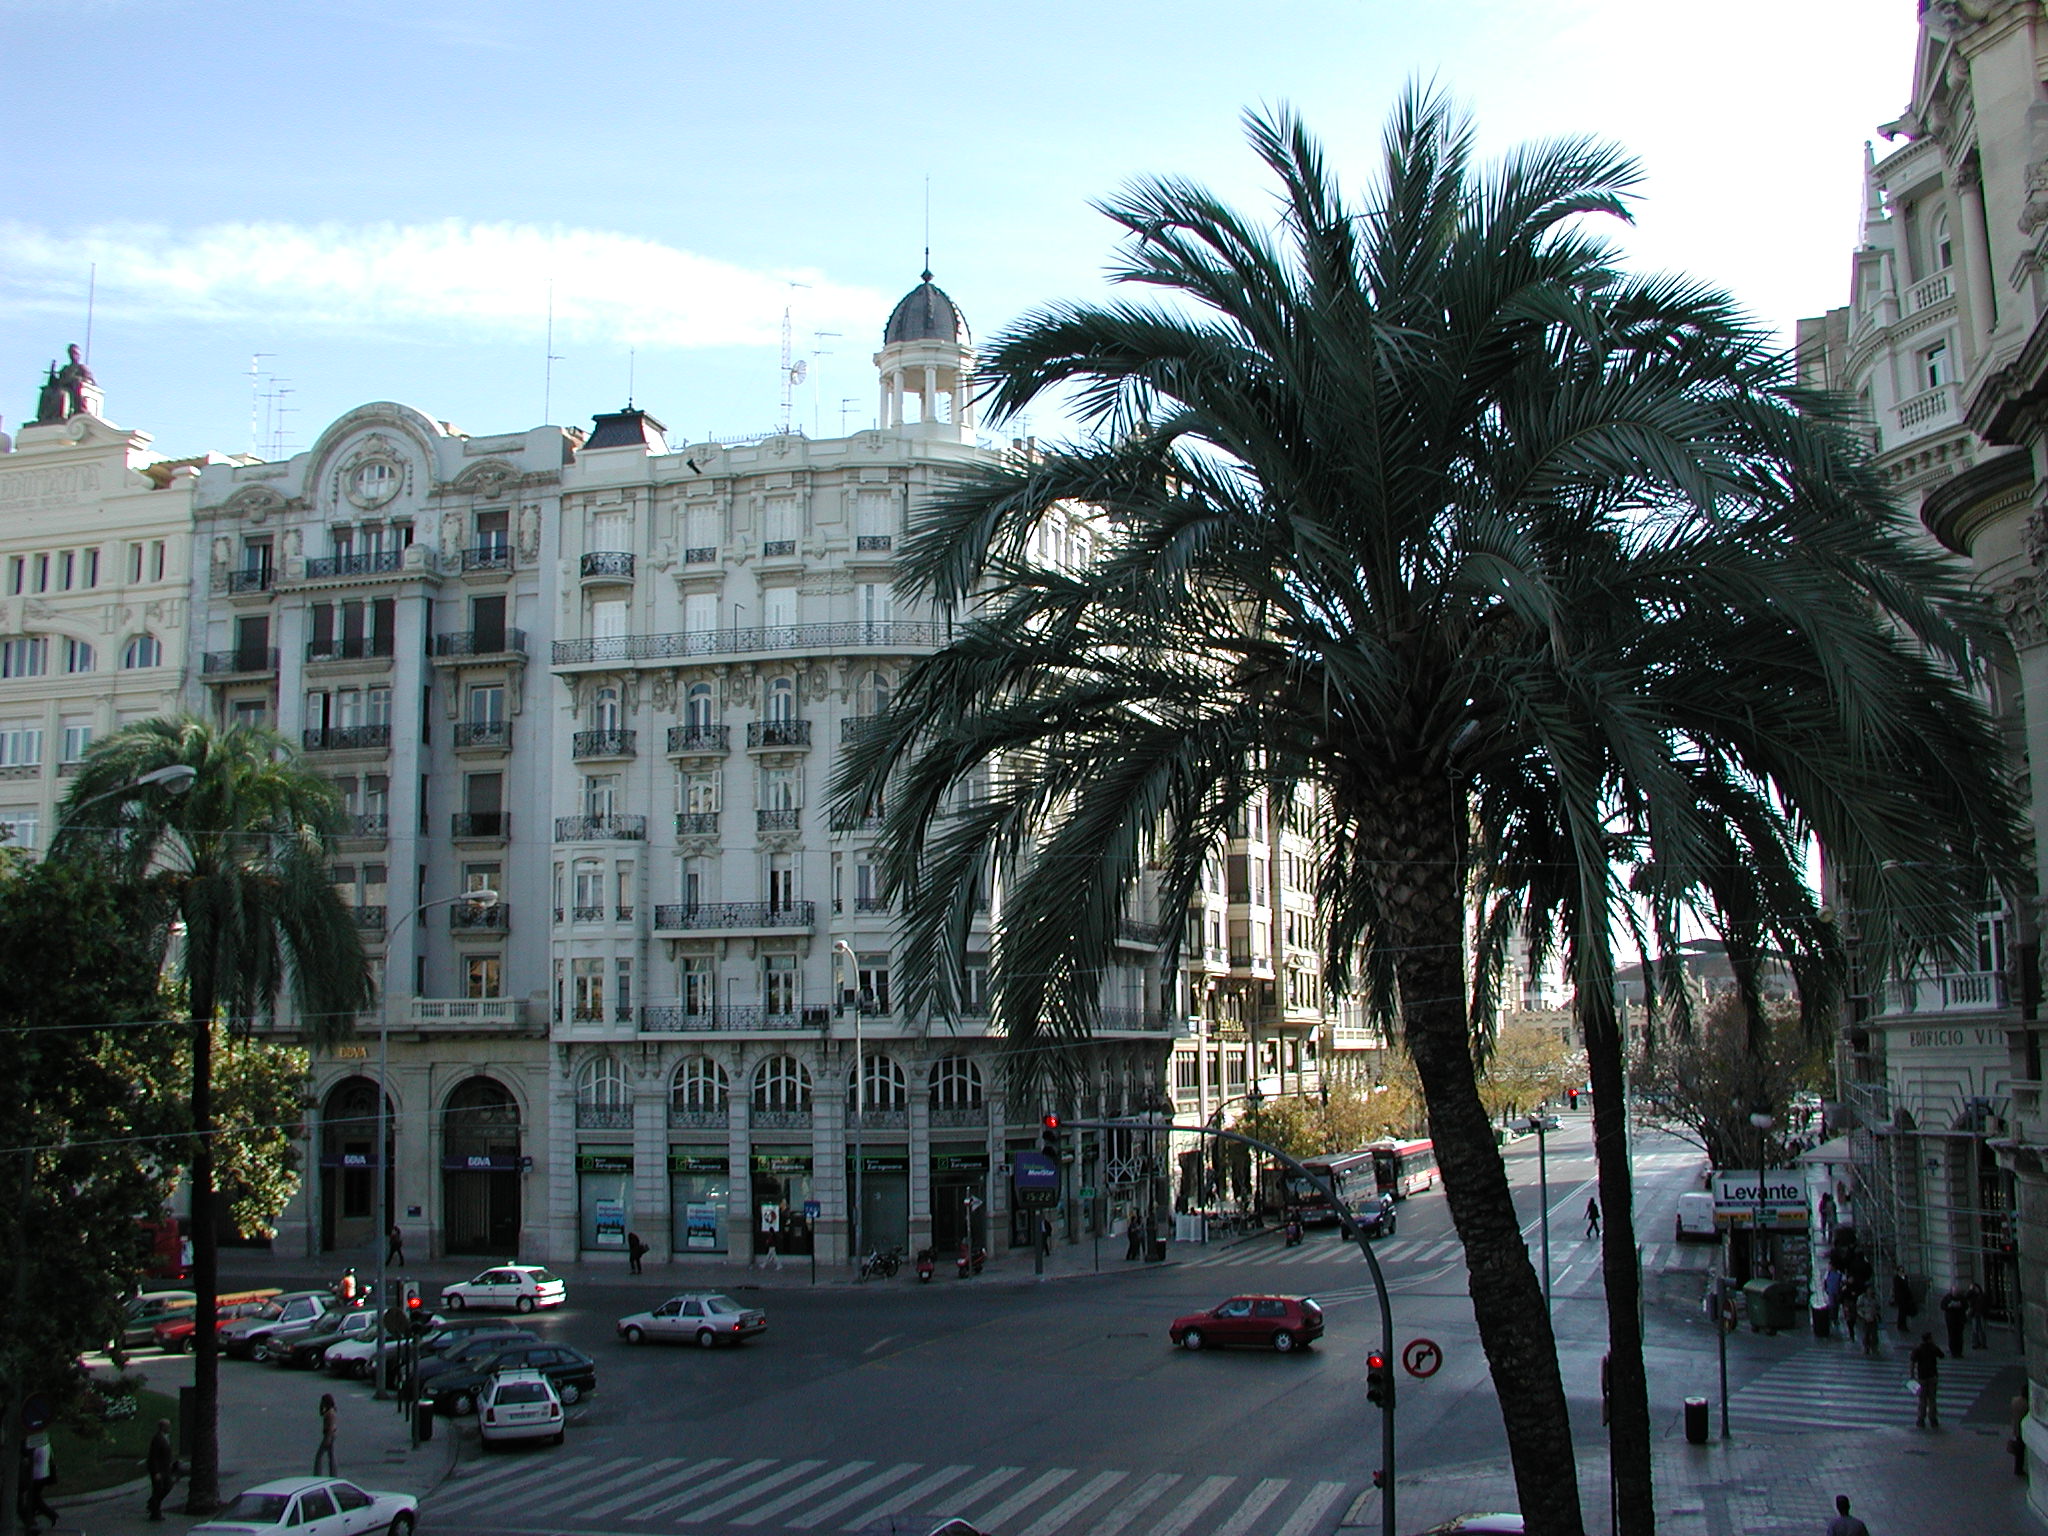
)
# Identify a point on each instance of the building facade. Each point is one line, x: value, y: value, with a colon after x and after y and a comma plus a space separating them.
x: 1945, y: 340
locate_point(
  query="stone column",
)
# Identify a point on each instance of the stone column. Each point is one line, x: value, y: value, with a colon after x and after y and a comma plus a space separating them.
x: 1978, y: 291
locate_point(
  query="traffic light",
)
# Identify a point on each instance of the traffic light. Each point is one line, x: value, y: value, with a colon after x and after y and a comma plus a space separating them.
x: 1049, y: 1137
x: 409, y: 1301
x: 1379, y: 1381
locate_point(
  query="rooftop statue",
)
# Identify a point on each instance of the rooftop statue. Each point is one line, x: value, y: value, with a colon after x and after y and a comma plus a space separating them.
x: 64, y: 390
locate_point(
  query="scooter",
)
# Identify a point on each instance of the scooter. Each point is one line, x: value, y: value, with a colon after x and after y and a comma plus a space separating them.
x: 970, y: 1261
x: 1294, y: 1231
x: 924, y: 1264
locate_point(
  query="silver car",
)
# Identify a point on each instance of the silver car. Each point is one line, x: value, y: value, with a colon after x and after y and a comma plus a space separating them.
x: 704, y: 1316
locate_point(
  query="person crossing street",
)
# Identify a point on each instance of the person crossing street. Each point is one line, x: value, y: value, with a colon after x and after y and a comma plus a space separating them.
x: 1926, y: 1368
x: 1592, y: 1217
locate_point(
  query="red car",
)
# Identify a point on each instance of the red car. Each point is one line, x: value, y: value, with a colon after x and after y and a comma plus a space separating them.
x: 1282, y: 1323
x: 175, y: 1334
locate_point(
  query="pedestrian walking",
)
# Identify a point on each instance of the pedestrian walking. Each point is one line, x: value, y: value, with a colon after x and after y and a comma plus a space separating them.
x: 1902, y: 1298
x: 1867, y: 1314
x: 636, y: 1249
x: 38, y: 1471
x: 394, y: 1245
x: 1133, y: 1237
x: 163, y: 1468
x: 330, y: 1422
x: 1955, y: 1312
x: 1926, y: 1368
x: 1592, y: 1217
x: 1827, y: 1214
x: 2015, y: 1442
x: 1844, y: 1523
x: 1976, y: 1298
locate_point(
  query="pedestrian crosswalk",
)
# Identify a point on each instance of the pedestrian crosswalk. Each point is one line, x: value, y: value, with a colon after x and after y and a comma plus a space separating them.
x: 546, y: 1492
x: 1843, y: 1388
x: 1322, y: 1249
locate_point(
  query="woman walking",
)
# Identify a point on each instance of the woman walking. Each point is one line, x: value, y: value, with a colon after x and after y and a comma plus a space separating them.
x: 330, y: 1421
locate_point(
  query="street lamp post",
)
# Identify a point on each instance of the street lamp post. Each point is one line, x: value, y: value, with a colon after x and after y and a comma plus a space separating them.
x: 1763, y: 1120
x: 841, y: 947
x: 1543, y: 1185
x: 484, y: 899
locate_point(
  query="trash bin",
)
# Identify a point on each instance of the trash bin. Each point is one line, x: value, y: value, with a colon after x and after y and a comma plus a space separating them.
x: 1158, y: 1253
x: 1771, y: 1305
x: 423, y: 1422
x: 1696, y: 1421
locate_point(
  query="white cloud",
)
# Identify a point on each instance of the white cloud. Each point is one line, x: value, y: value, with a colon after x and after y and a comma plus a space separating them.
x: 485, y: 280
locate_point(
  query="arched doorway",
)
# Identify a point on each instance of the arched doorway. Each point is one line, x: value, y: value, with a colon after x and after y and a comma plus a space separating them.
x: 480, y: 1169
x: 349, y: 1164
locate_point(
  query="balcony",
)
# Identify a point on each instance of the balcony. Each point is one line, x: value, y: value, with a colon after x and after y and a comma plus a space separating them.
x: 699, y: 740
x: 348, y: 738
x: 583, y: 914
x: 781, y: 1119
x: 958, y: 1117
x: 776, y: 821
x: 696, y: 823
x: 600, y: 829
x: 856, y: 727
x: 604, y: 1117
x: 1928, y: 292
x: 730, y: 916
x: 698, y: 1119
x: 480, y: 826
x: 369, y: 918
x: 776, y: 549
x: 22, y: 771
x: 701, y: 554
x: 375, y: 825
x: 483, y: 736
x: 384, y: 562
x: 486, y: 558
x: 1143, y: 935
x: 873, y: 543
x: 243, y: 661
x: 476, y: 917
x: 250, y: 580
x: 1957, y: 992
x: 770, y: 734
x: 479, y: 645
x: 608, y: 743
x: 745, y: 1018
x: 822, y: 639
x: 870, y: 903
x: 350, y: 648
x: 454, y: 1015
x: 1927, y: 410
x: 877, y: 1119
x: 602, y: 565
x: 1130, y: 1021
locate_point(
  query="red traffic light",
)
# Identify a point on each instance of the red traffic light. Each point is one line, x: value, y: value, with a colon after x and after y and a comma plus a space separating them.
x: 1051, y: 1122
x: 1375, y: 1362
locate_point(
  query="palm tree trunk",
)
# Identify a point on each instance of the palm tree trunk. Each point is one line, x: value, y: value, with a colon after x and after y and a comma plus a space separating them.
x: 1424, y: 899
x: 1628, y: 1405
x: 203, y: 1493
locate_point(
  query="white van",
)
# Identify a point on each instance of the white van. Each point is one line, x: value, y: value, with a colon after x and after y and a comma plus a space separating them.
x: 1696, y: 1217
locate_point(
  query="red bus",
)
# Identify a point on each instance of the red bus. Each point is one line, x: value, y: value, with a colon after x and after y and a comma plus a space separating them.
x: 1352, y: 1174
x: 1404, y: 1168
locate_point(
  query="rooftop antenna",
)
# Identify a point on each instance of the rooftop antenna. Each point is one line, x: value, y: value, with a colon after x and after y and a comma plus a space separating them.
x: 846, y: 405
x: 632, y: 356
x: 92, y: 285
x: 794, y: 370
x: 256, y: 402
x: 927, y: 226
x: 547, y: 387
x: 817, y: 351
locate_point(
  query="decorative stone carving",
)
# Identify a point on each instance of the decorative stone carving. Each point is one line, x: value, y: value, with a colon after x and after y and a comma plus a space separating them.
x: 223, y: 557
x: 2019, y: 603
x: 529, y: 532
x: 451, y: 534
x: 663, y: 691
x: 253, y: 503
x: 2035, y: 213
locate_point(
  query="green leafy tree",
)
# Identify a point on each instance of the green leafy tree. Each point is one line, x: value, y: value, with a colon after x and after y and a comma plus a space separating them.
x: 1527, y: 1065
x: 259, y: 1096
x: 88, y: 1063
x: 239, y: 862
x: 1536, y: 571
x: 1705, y: 1083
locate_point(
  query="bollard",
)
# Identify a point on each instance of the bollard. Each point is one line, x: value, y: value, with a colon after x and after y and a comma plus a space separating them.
x: 1696, y: 1421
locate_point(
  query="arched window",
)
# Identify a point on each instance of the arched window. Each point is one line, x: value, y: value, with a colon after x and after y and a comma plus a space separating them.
x: 1944, y: 245
x: 873, y: 696
x: 782, y: 1086
x: 78, y: 656
x: 601, y: 1084
x: 697, y: 714
x: 782, y: 700
x: 956, y: 1083
x: 699, y: 1087
x: 604, y: 710
x: 883, y: 1086
x: 143, y: 651
x: 480, y: 1118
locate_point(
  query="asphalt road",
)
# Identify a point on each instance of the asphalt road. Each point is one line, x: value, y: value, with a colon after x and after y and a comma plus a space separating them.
x: 1046, y: 1410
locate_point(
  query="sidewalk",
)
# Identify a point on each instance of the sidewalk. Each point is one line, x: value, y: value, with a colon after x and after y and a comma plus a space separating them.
x: 270, y: 1434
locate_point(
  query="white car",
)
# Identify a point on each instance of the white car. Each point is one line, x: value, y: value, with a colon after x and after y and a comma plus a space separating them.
x: 704, y: 1316
x: 312, y: 1506
x: 519, y: 1405
x: 521, y: 1287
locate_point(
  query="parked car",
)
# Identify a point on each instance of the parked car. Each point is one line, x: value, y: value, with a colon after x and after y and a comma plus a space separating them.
x: 704, y: 1316
x: 1376, y: 1217
x: 311, y: 1506
x: 456, y: 1391
x: 1696, y: 1217
x: 480, y: 1345
x: 1270, y: 1322
x: 293, y: 1312
x: 352, y: 1357
x: 142, y: 1313
x: 310, y: 1348
x: 519, y: 1405
x: 519, y: 1287
x: 1477, y: 1525
x: 174, y: 1334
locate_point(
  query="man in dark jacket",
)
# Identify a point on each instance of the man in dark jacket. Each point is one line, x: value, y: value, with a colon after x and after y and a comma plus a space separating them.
x: 1926, y: 1367
x: 1902, y: 1297
x: 163, y: 1468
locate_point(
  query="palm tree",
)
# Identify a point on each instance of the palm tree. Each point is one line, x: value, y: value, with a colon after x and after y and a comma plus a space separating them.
x: 239, y: 863
x: 1530, y: 571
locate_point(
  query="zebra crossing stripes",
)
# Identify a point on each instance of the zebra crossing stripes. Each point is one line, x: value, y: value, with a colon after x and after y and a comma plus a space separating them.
x: 1826, y: 1388
x: 718, y: 1493
x: 1331, y: 1251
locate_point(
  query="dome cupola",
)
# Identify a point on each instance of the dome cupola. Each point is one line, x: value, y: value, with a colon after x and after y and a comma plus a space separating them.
x: 927, y: 363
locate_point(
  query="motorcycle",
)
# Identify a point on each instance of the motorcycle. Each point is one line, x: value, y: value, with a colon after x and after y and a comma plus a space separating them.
x: 970, y: 1261
x: 1294, y: 1231
x: 881, y: 1261
x: 924, y: 1265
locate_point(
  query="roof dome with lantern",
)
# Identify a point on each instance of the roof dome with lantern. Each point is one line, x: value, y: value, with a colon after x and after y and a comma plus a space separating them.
x: 927, y: 365
x: 926, y: 314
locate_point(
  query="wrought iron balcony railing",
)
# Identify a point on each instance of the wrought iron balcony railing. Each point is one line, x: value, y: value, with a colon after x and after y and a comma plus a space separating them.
x: 350, y: 648
x: 241, y: 660
x: 251, y: 579
x: 778, y: 733
x: 481, y: 642
x: 776, y: 821
x: 708, y: 915
x: 600, y: 829
x: 348, y: 738
x: 775, y: 548
x: 382, y: 563
x: 674, y: 1018
x: 854, y: 636
x: 869, y: 543
x: 609, y: 743
x: 481, y: 824
x: 696, y: 823
x: 484, y: 733
x: 699, y: 739
x: 608, y: 562
x: 475, y: 917
x: 487, y: 557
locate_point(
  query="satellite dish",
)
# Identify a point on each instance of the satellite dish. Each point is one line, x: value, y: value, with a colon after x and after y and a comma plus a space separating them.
x: 798, y: 370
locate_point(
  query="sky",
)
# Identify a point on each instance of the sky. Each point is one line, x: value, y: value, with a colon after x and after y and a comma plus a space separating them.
x: 383, y: 200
